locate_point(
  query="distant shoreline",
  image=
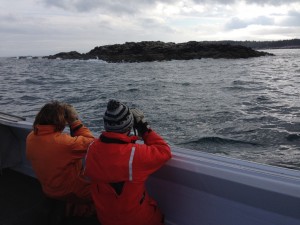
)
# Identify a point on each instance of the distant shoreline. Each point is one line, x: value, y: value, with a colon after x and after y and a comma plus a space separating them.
x: 284, y: 47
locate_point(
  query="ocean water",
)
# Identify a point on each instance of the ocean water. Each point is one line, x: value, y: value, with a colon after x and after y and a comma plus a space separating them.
x: 242, y: 108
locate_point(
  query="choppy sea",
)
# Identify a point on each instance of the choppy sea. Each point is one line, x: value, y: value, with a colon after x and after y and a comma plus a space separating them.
x: 242, y: 108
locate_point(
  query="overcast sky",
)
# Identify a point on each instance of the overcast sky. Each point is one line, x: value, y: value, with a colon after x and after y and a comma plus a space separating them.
x: 44, y: 27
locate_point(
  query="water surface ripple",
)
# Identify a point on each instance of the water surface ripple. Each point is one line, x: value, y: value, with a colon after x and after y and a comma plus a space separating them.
x: 245, y: 108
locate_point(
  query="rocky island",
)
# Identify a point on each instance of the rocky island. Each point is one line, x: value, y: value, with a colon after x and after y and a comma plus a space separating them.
x: 148, y: 51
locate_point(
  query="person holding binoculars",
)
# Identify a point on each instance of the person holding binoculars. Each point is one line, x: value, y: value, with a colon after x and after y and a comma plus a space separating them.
x: 56, y: 157
x: 118, y: 168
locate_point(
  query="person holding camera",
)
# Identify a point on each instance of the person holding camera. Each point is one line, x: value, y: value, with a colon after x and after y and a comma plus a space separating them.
x: 118, y: 168
x: 56, y: 157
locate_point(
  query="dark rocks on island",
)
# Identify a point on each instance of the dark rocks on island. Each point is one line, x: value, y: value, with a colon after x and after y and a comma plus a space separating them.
x: 148, y: 51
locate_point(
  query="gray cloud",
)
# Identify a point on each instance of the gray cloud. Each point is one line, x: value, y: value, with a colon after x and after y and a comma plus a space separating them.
x: 120, y: 7
x: 8, y: 18
x: 272, y: 2
x: 258, y: 2
x: 283, y: 32
x: 223, y: 2
x: 36, y: 29
x: 236, y: 23
x: 293, y: 19
x: 114, y: 7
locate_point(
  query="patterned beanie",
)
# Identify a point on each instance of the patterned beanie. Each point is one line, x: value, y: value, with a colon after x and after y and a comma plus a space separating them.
x: 117, y: 117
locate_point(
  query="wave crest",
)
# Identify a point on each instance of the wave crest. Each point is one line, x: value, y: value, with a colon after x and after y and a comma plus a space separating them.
x: 218, y: 140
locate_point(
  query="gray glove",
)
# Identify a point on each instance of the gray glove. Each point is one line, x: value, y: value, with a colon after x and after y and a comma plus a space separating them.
x: 139, y: 121
x: 138, y: 115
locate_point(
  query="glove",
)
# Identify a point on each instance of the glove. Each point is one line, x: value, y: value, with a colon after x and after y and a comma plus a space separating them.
x: 138, y: 115
x: 139, y: 122
x: 71, y: 114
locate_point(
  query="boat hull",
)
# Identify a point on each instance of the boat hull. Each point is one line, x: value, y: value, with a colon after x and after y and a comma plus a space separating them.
x: 196, y: 188
x: 221, y: 191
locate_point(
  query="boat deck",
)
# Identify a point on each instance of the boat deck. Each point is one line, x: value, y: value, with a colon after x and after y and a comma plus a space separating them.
x: 22, y: 202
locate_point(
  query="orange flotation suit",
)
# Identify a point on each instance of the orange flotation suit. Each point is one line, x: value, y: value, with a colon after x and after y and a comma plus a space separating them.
x: 118, y: 169
x: 56, y: 158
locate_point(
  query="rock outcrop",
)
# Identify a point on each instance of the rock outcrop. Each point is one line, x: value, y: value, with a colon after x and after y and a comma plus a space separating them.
x: 147, y: 51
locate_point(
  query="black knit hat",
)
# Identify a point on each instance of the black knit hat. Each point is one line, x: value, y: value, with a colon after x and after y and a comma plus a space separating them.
x: 117, y: 117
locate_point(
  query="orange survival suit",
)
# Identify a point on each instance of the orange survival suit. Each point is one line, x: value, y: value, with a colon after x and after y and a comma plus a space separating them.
x: 56, y: 159
x: 118, y: 169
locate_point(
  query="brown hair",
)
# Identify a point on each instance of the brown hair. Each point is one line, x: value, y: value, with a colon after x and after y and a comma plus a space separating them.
x: 52, y: 113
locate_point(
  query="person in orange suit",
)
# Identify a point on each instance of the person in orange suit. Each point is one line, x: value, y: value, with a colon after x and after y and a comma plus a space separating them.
x: 118, y: 168
x: 57, y: 157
